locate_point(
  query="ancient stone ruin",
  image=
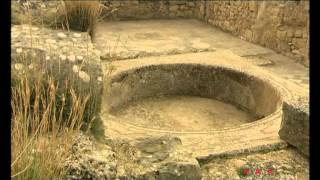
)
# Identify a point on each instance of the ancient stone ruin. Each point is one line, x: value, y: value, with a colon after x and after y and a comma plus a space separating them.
x: 187, y: 89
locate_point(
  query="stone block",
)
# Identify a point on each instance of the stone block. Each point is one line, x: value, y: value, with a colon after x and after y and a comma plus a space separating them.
x: 281, y: 35
x: 283, y: 46
x: 180, y: 171
x: 116, y: 3
x: 191, y: 4
x: 248, y: 34
x: 300, y: 43
x: 295, y: 124
x: 305, y: 34
x: 298, y: 33
x: 252, y: 6
x: 174, y: 8
x: 289, y: 33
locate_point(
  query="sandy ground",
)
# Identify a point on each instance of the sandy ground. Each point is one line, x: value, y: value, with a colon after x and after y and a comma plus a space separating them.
x: 182, y: 113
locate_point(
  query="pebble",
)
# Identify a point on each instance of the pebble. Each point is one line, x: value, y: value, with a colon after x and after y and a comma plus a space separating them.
x: 80, y: 58
x: 84, y: 76
x: 63, y: 57
x: 18, y: 66
x: 296, y: 51
x: 31, y: 66
x: 19, y: 50
x: 61, y: 35
x: 97, y: 52
x: 72, y: 58
x: 75, y: 68
x: 77, y: 35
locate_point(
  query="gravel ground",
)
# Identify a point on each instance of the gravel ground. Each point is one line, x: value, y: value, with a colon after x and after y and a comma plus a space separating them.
x: 283, y: 164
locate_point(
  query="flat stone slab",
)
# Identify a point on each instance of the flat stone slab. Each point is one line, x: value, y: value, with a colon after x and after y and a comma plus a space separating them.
x: 120, y: 40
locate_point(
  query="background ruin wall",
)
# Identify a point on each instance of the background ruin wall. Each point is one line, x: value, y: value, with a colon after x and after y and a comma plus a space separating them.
x: 279, y: 25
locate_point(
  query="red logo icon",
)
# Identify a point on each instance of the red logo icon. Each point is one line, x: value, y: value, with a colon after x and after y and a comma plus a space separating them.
x: 258, y: 171
x: 246, y: 171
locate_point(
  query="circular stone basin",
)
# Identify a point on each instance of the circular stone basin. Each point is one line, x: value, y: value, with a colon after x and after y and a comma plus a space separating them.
x: 189, y: 97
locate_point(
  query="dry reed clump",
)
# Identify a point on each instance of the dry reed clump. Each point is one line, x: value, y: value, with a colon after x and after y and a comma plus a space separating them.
x: 81, y: 15
x: 40, y: 136
x: 49, y: 104
x: 67, y: 14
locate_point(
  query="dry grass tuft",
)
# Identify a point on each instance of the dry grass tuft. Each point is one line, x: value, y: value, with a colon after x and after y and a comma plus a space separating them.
x: 40, y: 136
x: 81, y: 15
x: 49, y: 108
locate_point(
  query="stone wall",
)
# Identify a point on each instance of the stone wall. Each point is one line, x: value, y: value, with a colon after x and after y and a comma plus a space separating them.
x: 279, y: 25
x: 149, y: 9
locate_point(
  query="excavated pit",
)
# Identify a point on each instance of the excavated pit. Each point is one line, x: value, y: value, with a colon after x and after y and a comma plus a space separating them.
x: 189, y: 97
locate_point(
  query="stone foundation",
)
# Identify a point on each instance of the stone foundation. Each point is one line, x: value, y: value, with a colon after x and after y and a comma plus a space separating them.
x: 137, y: 9
x: 280, y: 25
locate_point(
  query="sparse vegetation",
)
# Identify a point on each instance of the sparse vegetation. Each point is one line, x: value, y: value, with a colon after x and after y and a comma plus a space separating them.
x: 40, y: 133
x: 51, y: 100
x: 81, y: 15
x: 67, y: 14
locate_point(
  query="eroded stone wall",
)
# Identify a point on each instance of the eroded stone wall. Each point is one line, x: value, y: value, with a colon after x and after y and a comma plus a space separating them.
x: 279, y: 25
x: 149, y: 9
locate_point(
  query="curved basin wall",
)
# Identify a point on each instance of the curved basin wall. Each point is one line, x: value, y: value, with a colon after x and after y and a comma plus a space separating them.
x: 239, y: 89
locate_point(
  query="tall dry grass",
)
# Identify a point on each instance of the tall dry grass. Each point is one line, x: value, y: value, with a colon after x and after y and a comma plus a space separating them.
x: 68, y: 14
x: 44, y: 119
x: 81, y: 15
x: 40, y: 136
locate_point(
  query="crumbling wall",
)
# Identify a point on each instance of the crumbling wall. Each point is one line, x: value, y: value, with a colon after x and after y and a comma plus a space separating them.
x: 149, y: 9
x: 279, y: 25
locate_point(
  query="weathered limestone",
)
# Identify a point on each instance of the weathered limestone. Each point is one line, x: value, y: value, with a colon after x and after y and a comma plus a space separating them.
x: 279, y: 25
x: 242, y: 90
x: 176, y: 74
x: 135, y: 9
x: 122, y: 160
x: 295, y: 124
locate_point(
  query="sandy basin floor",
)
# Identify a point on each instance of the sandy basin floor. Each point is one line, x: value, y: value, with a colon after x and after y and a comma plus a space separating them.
x: 181, y: 113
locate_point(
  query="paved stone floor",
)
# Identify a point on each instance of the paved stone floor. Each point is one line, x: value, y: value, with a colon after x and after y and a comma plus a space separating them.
x: 130, y: 44
x: 131, y: 39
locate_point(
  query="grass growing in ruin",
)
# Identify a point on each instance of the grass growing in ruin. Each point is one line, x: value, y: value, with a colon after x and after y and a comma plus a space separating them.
x: 68, y: 14
x: 49, y: 108
x: 40, y: 136
x: 82, y: 15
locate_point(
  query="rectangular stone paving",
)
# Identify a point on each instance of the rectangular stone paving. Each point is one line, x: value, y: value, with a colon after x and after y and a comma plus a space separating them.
x: 135, y: 39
